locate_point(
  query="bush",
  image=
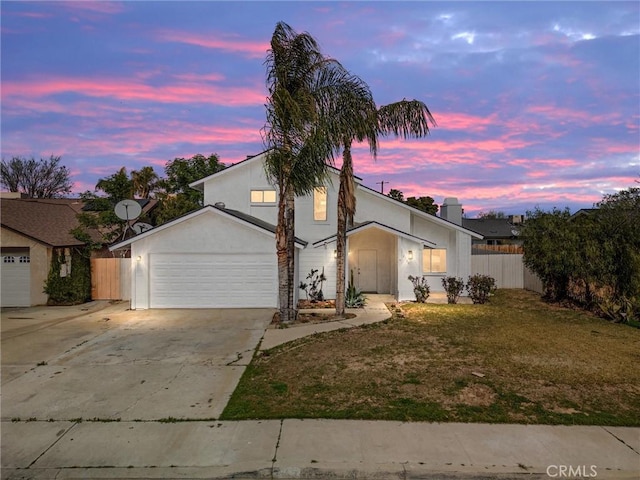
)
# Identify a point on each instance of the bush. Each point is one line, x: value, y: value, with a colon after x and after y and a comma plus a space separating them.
x: 480, y: 287
x: 453, y: 286
x: 354, y: 298
x: 313, y: 290
x: 420, y: 288
x: 69, y: 279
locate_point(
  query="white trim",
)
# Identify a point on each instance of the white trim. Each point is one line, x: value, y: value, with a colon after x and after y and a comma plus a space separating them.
x: 379, y: 226
x: 203, y: 210
x: 425, y: 215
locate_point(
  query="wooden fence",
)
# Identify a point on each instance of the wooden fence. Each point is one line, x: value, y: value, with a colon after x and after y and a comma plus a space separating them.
x: 507, y: 269
x: 110, y: 279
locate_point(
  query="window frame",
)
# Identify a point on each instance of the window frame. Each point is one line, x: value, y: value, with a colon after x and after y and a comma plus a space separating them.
x: 263, y: 192
x: 320, y: 191
x: 427, y: 253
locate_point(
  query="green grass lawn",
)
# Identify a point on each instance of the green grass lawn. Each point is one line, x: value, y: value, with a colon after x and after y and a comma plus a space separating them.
x: 513, y: 360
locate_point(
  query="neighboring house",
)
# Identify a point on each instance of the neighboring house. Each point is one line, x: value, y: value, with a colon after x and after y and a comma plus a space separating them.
x: 223, y: 255
x: 31, y: 229
x: 499, y: 234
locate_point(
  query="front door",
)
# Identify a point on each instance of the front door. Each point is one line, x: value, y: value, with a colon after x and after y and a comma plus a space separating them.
x: 368, y: 270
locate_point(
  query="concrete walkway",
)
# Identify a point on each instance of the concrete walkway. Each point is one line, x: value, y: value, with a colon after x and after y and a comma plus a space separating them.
x: 313, y: 449
x: 374, y: 311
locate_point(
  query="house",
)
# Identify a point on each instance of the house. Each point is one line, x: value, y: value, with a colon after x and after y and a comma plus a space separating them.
x: 223, y: 255
x: 500, y: 235
x: 30, y: 230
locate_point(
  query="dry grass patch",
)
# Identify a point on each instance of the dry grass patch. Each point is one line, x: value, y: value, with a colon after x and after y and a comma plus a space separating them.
x: 516, y: 359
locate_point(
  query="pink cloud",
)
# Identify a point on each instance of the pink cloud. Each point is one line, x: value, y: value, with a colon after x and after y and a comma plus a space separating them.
x: 128, y: 90
x: 231, y: 44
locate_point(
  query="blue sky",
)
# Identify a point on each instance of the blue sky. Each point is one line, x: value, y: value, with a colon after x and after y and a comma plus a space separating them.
x: 537, y: 103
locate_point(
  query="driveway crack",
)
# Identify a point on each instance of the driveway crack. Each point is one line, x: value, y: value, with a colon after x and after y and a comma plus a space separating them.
x: 64, y: 434
x: 275, y: 453
x: 621, y: 440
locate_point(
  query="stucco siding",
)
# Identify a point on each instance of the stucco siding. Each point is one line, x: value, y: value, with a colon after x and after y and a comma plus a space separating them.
x: 40, y: 259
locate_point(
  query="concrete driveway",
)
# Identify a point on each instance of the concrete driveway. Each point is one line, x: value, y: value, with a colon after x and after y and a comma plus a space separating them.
x: 102, y: 361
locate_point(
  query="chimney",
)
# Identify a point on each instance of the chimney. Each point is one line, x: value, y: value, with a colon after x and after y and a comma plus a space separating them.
x: 451, y: 210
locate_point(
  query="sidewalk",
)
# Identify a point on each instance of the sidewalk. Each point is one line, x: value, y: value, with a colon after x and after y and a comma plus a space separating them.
x: 302, y: 449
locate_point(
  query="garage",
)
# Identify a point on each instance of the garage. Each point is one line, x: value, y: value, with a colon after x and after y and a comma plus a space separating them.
x: 201, y: 280
x: 16, y: 279
x: 210, y: 258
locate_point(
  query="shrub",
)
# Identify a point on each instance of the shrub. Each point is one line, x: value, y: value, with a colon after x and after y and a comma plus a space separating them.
x: 354, y: 298
x: 313, y: 289
x: 69, y: 279
x: 453, y: 286
x: 420, y: 288
x: 480, y: 287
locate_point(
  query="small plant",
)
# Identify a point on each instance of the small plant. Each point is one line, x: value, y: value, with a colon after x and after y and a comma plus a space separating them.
x: 453, y: 286
x: 313, y: 289
x: 353, y: 298
x: 420, y: 288
x: 481, y: 287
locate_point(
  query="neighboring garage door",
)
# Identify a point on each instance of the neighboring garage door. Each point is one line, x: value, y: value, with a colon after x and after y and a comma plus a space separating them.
x: 16, y: 280
x: 212, y: 280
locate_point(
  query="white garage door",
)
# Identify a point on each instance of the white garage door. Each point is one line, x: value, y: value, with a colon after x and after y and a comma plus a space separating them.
x: 16, y: 280
x: 212, y: 280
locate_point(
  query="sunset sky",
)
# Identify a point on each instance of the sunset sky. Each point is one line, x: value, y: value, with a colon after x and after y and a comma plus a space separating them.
x: 537, y: 103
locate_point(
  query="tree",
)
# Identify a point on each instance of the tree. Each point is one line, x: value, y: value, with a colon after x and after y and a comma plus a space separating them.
x: 304, y: 91
x: 145, y: 182
x: 492, y: 214
x: 36, y: 179
x: 360, y: 120
x: 426, y: 204
x: 178, y: 197
x: 396, y: 195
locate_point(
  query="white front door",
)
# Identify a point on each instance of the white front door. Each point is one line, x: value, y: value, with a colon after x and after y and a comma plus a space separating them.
x: 368, y: 270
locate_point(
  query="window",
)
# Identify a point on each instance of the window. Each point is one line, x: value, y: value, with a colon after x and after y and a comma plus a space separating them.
x: 320, y: 204
x: 25, y: 259
x: 434, y: 260
x: 9, y: 259
x: 263, y: 196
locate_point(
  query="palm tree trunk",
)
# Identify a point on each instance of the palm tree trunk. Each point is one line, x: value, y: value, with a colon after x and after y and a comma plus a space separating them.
x: 345, y: 218
x: 281, y: 251
x: 291, y: 250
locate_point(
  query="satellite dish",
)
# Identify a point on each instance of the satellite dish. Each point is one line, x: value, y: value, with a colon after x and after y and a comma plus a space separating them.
x: 141, y: 227
x: 515, y: 232
x: 128, y: 210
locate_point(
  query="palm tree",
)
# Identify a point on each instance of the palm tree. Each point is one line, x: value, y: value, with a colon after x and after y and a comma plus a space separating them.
x: 305, y: 88
x: 145, y: 181
x: 406, y: 119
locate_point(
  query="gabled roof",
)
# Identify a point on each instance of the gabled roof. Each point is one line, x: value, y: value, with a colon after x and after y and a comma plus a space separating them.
x: 45, y: 220
x: 199, y: 184
x: 367, y: 225
x: 420, y: 213
x: 492, y: 227
x: 242, y: 218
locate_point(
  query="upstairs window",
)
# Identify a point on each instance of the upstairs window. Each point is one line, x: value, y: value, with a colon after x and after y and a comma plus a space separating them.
x: 320, y: 204
x: 263, y: 196
x: 434, y: 260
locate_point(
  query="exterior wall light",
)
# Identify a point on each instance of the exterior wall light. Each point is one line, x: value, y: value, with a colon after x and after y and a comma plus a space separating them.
x: 335, y: 254
x: 139, y: 258
x: 410, y: 254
